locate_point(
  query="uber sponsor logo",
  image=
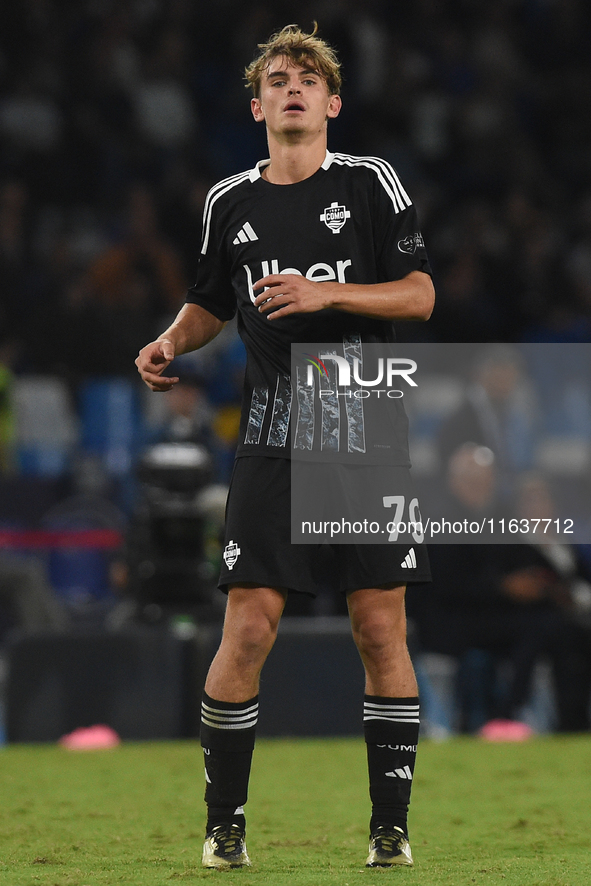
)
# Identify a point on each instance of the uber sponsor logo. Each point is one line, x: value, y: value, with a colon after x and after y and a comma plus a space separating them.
x: 320, y: 272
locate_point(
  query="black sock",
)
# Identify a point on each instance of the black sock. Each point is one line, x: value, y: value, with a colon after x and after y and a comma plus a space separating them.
x: 391, y: 727
x: 227, y: 738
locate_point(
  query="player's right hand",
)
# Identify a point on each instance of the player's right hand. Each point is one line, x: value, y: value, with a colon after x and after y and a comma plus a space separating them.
x: 151, y: 363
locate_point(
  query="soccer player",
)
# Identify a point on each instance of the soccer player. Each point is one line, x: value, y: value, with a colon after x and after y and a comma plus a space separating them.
x: 309, y: 246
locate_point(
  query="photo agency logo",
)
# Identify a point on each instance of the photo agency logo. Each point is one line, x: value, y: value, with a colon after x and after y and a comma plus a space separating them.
x: 348, y: 378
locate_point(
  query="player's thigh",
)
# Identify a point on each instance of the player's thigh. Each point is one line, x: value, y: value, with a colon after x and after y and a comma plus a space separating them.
x: 258, y: 549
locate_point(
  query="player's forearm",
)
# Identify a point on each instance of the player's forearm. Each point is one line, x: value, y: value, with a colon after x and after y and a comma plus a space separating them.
x: 411, y: 298
x: 193, y: 328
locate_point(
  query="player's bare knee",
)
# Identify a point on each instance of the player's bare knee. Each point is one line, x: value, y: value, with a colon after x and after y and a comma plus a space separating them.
x: 251, y: 639
x: 259, y: 635
x: 378, y: 636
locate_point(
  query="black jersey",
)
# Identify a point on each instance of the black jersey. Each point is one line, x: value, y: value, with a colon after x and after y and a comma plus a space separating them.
x: 352, y: 221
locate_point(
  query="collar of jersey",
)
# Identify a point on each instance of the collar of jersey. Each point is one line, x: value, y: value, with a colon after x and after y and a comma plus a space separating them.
x: 258, y: 169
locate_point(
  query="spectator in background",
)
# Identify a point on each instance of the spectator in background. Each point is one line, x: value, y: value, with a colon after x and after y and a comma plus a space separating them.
x: 142, y: 249
x: 486, y: 106
x: 32, y: 124
x: 7, y: 418
x: 205, y: 407
x: 471, y: 486
x: 15, y: 253
x: 27, y: 600
x: 187, y: 416
x: 498, y: 412
x: 164, y: 109
x: 519, y: 603
x: 136, y: 283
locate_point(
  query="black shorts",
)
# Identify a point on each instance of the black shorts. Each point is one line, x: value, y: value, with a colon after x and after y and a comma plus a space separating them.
x: 258, y: 548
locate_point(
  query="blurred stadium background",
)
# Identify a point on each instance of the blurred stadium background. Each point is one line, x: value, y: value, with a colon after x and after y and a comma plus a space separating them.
x: 115, y: 119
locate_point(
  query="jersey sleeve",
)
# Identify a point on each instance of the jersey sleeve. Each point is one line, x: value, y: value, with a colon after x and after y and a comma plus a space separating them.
x: 400, y: 248
x: 213, y: 288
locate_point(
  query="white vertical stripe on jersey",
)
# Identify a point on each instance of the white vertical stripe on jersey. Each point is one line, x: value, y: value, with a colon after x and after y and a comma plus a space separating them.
x: 216, y: 192
x: 400, y: 187
x: 256, y: 416
x: 392, y: 176
x: 391, y: 192
x: 330, y: 414
x: 213, y: 191
x: 385, y: 174
x: 280, y: 412
x: 353, y: 349
x: 304, y: 431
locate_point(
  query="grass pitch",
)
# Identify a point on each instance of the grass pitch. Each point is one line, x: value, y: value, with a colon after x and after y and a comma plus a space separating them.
x: 482, y: 814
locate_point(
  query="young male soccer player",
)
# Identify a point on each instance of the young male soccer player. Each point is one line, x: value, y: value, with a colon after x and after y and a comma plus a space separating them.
x: 308, y: 246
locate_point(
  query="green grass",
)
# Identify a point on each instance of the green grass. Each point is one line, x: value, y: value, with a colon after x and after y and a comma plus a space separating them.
x: 482, y: 814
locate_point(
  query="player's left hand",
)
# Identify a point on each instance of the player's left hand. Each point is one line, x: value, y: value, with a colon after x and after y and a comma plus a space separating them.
x: 291, y: 294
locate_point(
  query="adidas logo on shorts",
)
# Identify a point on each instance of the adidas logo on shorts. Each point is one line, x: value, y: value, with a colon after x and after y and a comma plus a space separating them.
x: 410, y: 561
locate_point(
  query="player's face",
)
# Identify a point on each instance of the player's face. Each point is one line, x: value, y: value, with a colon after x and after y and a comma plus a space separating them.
x: 294, y: 100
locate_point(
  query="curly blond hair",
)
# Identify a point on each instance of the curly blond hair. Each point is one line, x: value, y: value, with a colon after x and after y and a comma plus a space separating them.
x: 301, y: 49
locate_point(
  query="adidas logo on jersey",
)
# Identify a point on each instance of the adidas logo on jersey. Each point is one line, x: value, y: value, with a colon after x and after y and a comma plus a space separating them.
x: 401, y: 773
x: 245, y: 234
x: 410, y: 561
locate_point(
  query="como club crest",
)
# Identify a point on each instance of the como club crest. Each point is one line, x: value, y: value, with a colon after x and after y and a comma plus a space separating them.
x: 335, y: 216
x: 231, y: 554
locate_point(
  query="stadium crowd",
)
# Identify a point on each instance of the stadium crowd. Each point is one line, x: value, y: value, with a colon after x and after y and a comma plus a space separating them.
x: 117, y: 117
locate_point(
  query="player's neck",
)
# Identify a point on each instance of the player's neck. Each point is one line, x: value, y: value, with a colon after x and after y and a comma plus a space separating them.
x: 291, y: 163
